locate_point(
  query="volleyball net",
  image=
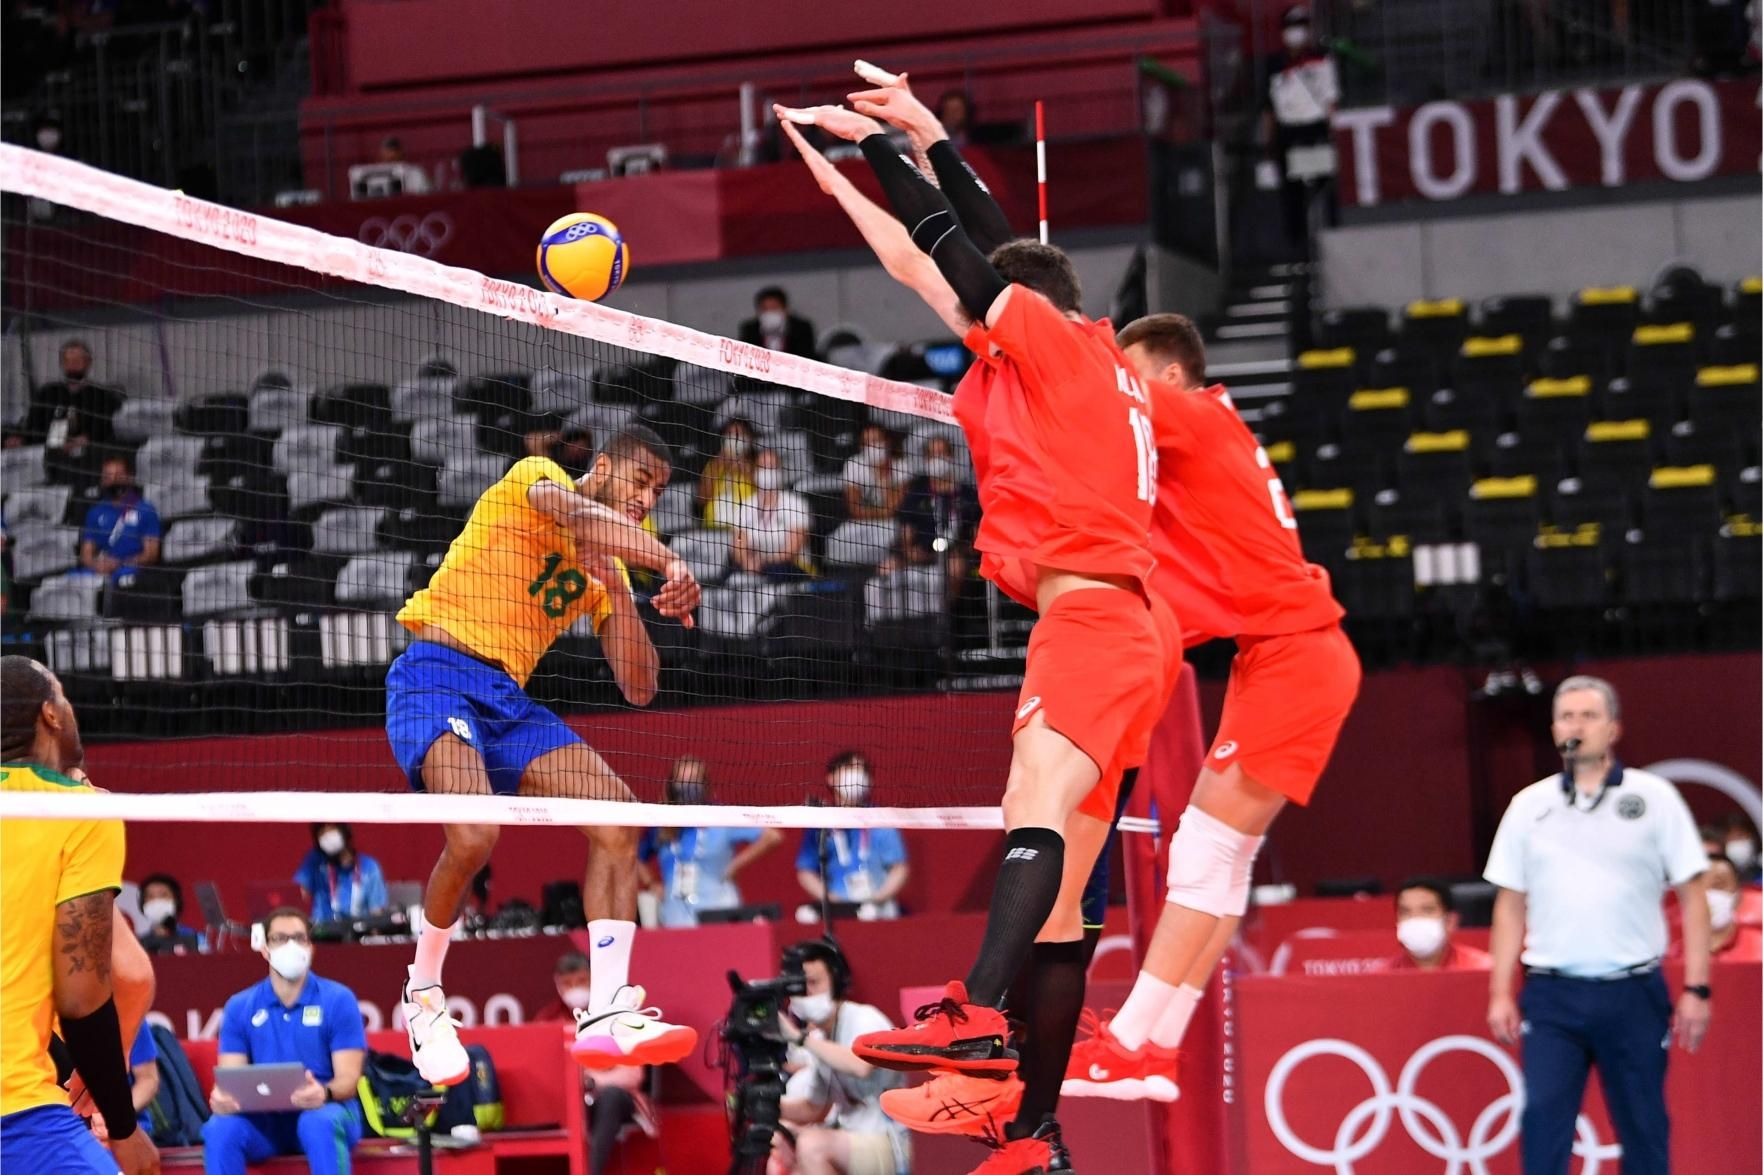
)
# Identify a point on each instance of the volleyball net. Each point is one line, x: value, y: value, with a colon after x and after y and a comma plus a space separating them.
x: 307, y: 421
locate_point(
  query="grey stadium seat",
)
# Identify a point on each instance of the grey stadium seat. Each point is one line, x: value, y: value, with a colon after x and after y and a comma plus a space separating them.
x: 38, y: 551
x: 168, y: 458
x: 765, y: 411
x: 675, y: 511
x: 706, y: 551
x: 860, y: 544
x: 222, y: 587
x: 603, y: 420
x: 906, y: 594
x: 191, y: 540
x: 735, y: 611
x: 274, y: 409
x: 464, y: 479
x: 701, y: 386
x: 422, y: 399
x: 379, y: 578
x: 178, y: 499
x: 442, y: 439
x: 347, y: 530
x: 137, y: 420
x: 22, y: 467
x: 309, y: 487
x: 71, y: 596
x: 306, y: 446
x: 562, y: 392
x: 42, y: 505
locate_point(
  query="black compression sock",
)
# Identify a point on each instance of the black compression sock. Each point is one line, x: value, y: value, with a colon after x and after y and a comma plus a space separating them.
x: 1052, y: 1001
x: 1092, y: 939
x: 1022, y: 898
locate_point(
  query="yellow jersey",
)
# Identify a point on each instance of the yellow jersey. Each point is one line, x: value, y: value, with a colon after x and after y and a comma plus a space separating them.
x: 509, y: 585
x: 42, y: 864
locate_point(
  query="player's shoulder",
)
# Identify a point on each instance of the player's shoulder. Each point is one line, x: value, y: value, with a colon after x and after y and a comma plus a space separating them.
x: 1535, y: 795
x: 30, y: 777
x: 1647, y: 782
x: 529, y: 471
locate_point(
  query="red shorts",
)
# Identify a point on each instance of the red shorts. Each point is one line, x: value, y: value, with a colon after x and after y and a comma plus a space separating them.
x: 1098, y: 670
x: 1283, y: 709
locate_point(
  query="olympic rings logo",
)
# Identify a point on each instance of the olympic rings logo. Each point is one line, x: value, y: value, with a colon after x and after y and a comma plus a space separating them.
x: 1366, y: 1125
x: 407, y: 233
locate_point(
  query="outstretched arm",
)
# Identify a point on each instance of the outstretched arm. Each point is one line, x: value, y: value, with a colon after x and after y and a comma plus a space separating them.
x: 624, y: 639
x: 884, y: 234
x: 603, y: 531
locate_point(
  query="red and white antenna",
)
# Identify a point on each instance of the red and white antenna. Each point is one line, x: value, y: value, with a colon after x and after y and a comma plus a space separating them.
x: 1041, y: 163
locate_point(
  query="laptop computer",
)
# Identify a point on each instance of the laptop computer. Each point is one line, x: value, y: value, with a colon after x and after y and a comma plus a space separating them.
x: 261, y: 1089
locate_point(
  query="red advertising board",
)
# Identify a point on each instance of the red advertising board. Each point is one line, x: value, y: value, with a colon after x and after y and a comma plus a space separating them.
x: 1679, y: 131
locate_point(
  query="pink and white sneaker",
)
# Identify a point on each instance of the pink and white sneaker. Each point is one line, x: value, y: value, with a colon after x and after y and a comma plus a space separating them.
x: 627, y: 1033
x: 434, y: 1036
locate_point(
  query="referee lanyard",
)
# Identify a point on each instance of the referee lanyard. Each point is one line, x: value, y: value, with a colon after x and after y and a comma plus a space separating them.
x: 858, y: 886
x: 354, y: 887
x: 685, y: 864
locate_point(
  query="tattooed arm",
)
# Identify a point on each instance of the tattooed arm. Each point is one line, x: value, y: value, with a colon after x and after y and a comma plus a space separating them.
x: 83, y: 931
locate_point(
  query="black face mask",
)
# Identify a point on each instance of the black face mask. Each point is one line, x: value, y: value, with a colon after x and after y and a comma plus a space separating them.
x: 688, y: 793
x: 122, y: 489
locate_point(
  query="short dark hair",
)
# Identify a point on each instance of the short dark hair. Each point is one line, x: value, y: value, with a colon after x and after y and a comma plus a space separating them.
x: 635, y: 439
x: 849, y: 758
x: 24, y: 686
x: 1433, y: 886
x: 768, y: 292
x: 169, y: 882
x: 286, y: 912
x: 570, y: 963
x: 1170, y: 338
x: 1044, y: 269
x: 69, y: 344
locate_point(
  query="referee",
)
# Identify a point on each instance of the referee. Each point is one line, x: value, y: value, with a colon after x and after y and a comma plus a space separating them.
x: 1582, y: 860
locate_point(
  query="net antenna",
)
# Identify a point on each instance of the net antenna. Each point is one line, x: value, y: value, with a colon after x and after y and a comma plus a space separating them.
x: 1041, y: 164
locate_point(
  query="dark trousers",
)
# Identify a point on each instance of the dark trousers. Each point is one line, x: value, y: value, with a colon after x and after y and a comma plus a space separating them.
x: 613, y: 1107
x: 1623, y: 1027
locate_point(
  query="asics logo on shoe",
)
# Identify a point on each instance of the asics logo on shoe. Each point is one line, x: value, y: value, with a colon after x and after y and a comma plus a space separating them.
x: 1020, y: 854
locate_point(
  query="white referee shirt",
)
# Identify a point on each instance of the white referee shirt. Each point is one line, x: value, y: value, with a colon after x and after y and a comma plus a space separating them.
x: 1594, y: 882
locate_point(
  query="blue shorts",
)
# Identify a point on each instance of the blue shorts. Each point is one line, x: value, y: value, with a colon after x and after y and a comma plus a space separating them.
x: 52, y: 1140
x: 432, y: 690
x: 1095, y: 899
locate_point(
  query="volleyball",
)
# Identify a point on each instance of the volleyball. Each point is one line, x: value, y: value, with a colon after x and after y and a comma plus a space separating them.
x: 583, y: 256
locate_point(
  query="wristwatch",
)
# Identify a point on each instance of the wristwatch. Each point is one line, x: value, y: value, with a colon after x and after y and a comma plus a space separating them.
x: 328, y: 1095
x: 1699, y: 990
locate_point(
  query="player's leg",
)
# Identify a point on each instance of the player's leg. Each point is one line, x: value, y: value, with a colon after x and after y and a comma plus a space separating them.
x: 1096, y: 890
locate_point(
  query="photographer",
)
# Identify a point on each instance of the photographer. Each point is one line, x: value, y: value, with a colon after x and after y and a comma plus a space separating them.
x: 833, y: 1102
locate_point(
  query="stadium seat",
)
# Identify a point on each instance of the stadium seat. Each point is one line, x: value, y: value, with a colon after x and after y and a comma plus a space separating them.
x: 1685, y: 444
x: 1566, y: 358
x: 1514, y: 454
x: 1331, y: 466
x: 1615, y: 455
x: 1744, y: 496
x: 706, y: 552
x: 675, y: 510
x: 275, y: 408
x: 1664, y: 353
x: 166, y: 458
x: 309, y: 582
x: 1434, y: 465
x: 70, y: 596
x: 1529, y: 316
x: 1732, y: 343
x: 909, y: 594
x: 1418, y: 516
x: 1574, y: 506
x: 561, y: 392
x: 1681, y: 502
x: 504, y: 434
x: 1394, y: 367
x: 1364, y: 328
x: 807, y: 632
x: 37, y: 505
x: 604, y: 421
x: 1377, y: 422
x: 463, y: 479
x: 646, y: 382
x: 140, y: 418
x: 1688, y: 301
x: 734, y: 611
x: 145, y: 595
x: 1667, y: 570
x: 422, y: 399
x: 355, y: 406
x: 1500, y: 517
x: 691, y: 384
x: 1747, y: 299
x: 306, y: 447
x: 487, y: 397
x: 767, y: 411
x: 1605, y: 313
x: 415, y: 528
x: 1727, y: 398
x: 1375, y: 585
x: 257, y: 494
x: 39, y: 551
x: 392, y: 483
x: 379, y: 578
x: 1567, y: 578
x: 183, y: 498
x: 225, y: 456
x: 1659, y: 401
x: 1555, y: 409
x: 860, y: 544
x: 348, y: 530
x: 1738, y: 571
x: 198, y: 540
x: 226, y: 414
x: 1298, y: 420
x: 1325, y: 523
x: 437, y: 440
x: 218, y: 588
x: 1436, y: 326
x: 22, y: 466
x: 309, y: 487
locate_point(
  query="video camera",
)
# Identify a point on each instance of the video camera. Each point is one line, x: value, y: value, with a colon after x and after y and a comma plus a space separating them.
x: 755, y: 1040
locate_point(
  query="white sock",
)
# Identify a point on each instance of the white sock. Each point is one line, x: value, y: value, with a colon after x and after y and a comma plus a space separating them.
x: 1132, y: 1025
x: 1173, y: 1024
x: 609, y: 960
x: 431, y: 952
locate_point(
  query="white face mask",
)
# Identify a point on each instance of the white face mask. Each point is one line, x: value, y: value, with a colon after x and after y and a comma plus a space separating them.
x: 1722, y: 906
x: 1295, y: 38
x: 330, y: 842
x: 875, y: 453
x: 159, y: 909
x: 773, y: 321
x: 851, y: 784
x: 290, y: 961
x: 812, y: 1009
x: 577, y: 997
x: 940, y: 469
x: 769, y: 479
x: 736, y: 446
x: 1422, y: 936
x: 1742, y: 853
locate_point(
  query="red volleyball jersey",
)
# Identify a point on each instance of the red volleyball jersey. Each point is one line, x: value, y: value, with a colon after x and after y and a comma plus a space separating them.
x: 1228, y: 558
x: 1062, y: 443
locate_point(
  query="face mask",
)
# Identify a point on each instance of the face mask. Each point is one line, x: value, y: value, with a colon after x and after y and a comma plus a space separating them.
x: 940, y: 469
x: 773, y: 321
x: 159, y: 909
x: 1422, y: 936
x: 769, y: 479
x: 330, y: 843
x: 811, y: 1009
x: 121, y: 489
x: 875, y: 454
x: 734, y: 446
x: 1722, y: 905
x: 48, y: 138
x: 851, y: 784
x: 1295, y: 37
x: 687, y: 793
x: 1742, y: 853
x: 577, y: 997
x: 290, y: 960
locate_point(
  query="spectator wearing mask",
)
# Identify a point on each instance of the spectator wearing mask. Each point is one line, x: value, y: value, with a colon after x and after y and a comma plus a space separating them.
x: 833, y: 1102
x: 122, y: 528
x: 70, y: 417
x: 874, y: 482
x: 771, y: 527
x: 615, y: 1097
x: 863, y: 865
x: 1735, y: 931
x: 698, y: 866
x: 955, y: 112
x: 343, y: 884
x: 1303, y: 90
x: 775, y: 328
x: 290, y: 1016
x: 1426, y: 921
x: 939, y: 513
x: 162, y: 903
x: 1739, y: 845
x: 728, y: 477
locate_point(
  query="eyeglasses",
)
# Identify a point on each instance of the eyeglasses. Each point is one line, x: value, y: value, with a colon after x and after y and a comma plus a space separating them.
x: 276, y: 940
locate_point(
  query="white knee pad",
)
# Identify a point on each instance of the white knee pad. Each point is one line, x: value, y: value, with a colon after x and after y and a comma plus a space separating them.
x: 1210, y: 864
